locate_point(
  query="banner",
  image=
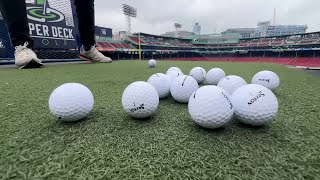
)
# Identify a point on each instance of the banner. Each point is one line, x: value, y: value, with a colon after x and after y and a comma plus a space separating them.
x: 51, y: 24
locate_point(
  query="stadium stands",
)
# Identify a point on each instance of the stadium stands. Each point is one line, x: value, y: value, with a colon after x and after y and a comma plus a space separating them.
x: 277, y: 41
x: 135, y: 40
x: 313, y: 62
x: 226, y: 52
x: 265, y: 42
x: 284, y: 60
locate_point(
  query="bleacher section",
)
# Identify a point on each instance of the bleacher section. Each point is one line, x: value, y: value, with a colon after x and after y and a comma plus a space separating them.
x: 305, y: 62
x: 295, y: 50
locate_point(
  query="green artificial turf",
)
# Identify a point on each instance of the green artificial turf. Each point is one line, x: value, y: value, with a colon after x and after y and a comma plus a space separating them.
x: 111, y: 145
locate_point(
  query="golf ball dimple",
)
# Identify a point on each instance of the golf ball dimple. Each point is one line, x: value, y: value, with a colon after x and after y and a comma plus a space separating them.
x: 71, y: 102
x: 140, y: 100
x: 254, y: 104
x: 174, y: 69
x: 267, y: 79
x: 214, y: 76
x: 183, y: 87
x: 210, y: 107
x: 152, y: 63
x: 231, y: 83
x: 162, y: 84
x: 199, y: 74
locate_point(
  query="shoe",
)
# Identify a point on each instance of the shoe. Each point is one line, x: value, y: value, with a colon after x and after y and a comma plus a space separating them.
x: 26, y: 58
x: 93, y: 55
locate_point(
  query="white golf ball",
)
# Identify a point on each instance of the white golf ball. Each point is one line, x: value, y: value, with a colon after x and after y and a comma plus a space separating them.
x: 162, y: 84
x: 231, y: 83
x: 214, y: 76
x: 152, y: 63
x: 71, y: 102
x: 174, y: 69
x: 210, y: 107
x: 174, y: 74
x: 183, y: 87
x: 267, y: 79
x: 140, y: 100
x: 199, y: 74
x: 254, y: 104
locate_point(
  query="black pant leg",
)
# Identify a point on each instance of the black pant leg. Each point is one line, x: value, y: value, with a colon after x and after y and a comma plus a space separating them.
x: 85, y: 13
x: 15, y: 15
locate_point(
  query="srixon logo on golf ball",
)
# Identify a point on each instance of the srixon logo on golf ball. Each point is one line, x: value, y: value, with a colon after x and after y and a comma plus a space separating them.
x: 266, y: 80
x: 137, y: 108
x: 225, y: 96
x: 258, y: 96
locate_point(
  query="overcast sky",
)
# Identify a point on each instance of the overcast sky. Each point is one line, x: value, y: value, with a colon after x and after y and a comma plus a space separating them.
x: 158, y: 16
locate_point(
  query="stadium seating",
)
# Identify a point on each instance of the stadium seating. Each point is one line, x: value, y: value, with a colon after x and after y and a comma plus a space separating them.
x: 267, y: 59
x: 277, y: 41
x: 265, y: 42
x: 308, y: 41
x: 284, y: 60
x: 116, y: 45
x: 245, y: 59
x: 254, y: 42
x: 135, y: 40
x: 300, y: 61
x: 243, y: 43
x: 313, y: 62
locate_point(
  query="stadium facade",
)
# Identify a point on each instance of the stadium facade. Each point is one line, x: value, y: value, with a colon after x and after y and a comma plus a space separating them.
x: 265, y: 29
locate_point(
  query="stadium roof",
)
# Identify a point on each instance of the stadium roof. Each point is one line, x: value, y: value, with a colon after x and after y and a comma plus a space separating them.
x: 299, y: 34
x: 157, y: 36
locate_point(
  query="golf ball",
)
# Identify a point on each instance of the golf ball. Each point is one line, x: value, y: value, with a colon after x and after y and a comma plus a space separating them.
x: 71, y: 102
x: 199, y: 74
x: 210, y: 107
x: 267, y: 79
x: 183, y: 87
x: 174, y: 69
x: 162, y: 84
x: 140, y: 100
x: 254, y: 104
x: 174, y: 74
x: 152, y: 63
x: 214, y: 76
x: 231, y: 83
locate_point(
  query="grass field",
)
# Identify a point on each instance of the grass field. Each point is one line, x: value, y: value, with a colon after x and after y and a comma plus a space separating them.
x: 111, y: 145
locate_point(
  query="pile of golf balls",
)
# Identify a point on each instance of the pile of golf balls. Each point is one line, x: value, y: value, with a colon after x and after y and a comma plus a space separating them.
x: 71, y: 102
x: 209, y: 106
x: 152, y: 63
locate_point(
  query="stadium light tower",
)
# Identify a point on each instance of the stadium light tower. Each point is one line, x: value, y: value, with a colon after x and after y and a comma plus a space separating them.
x: 177, y: 26
x: 129, y: 12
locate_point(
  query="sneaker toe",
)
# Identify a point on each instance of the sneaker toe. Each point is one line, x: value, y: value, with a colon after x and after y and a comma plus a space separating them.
x: 106, y: 60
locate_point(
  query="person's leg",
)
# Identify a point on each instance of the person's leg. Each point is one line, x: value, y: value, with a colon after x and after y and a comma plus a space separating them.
x: 85, y: 14
x: 15, y: 15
